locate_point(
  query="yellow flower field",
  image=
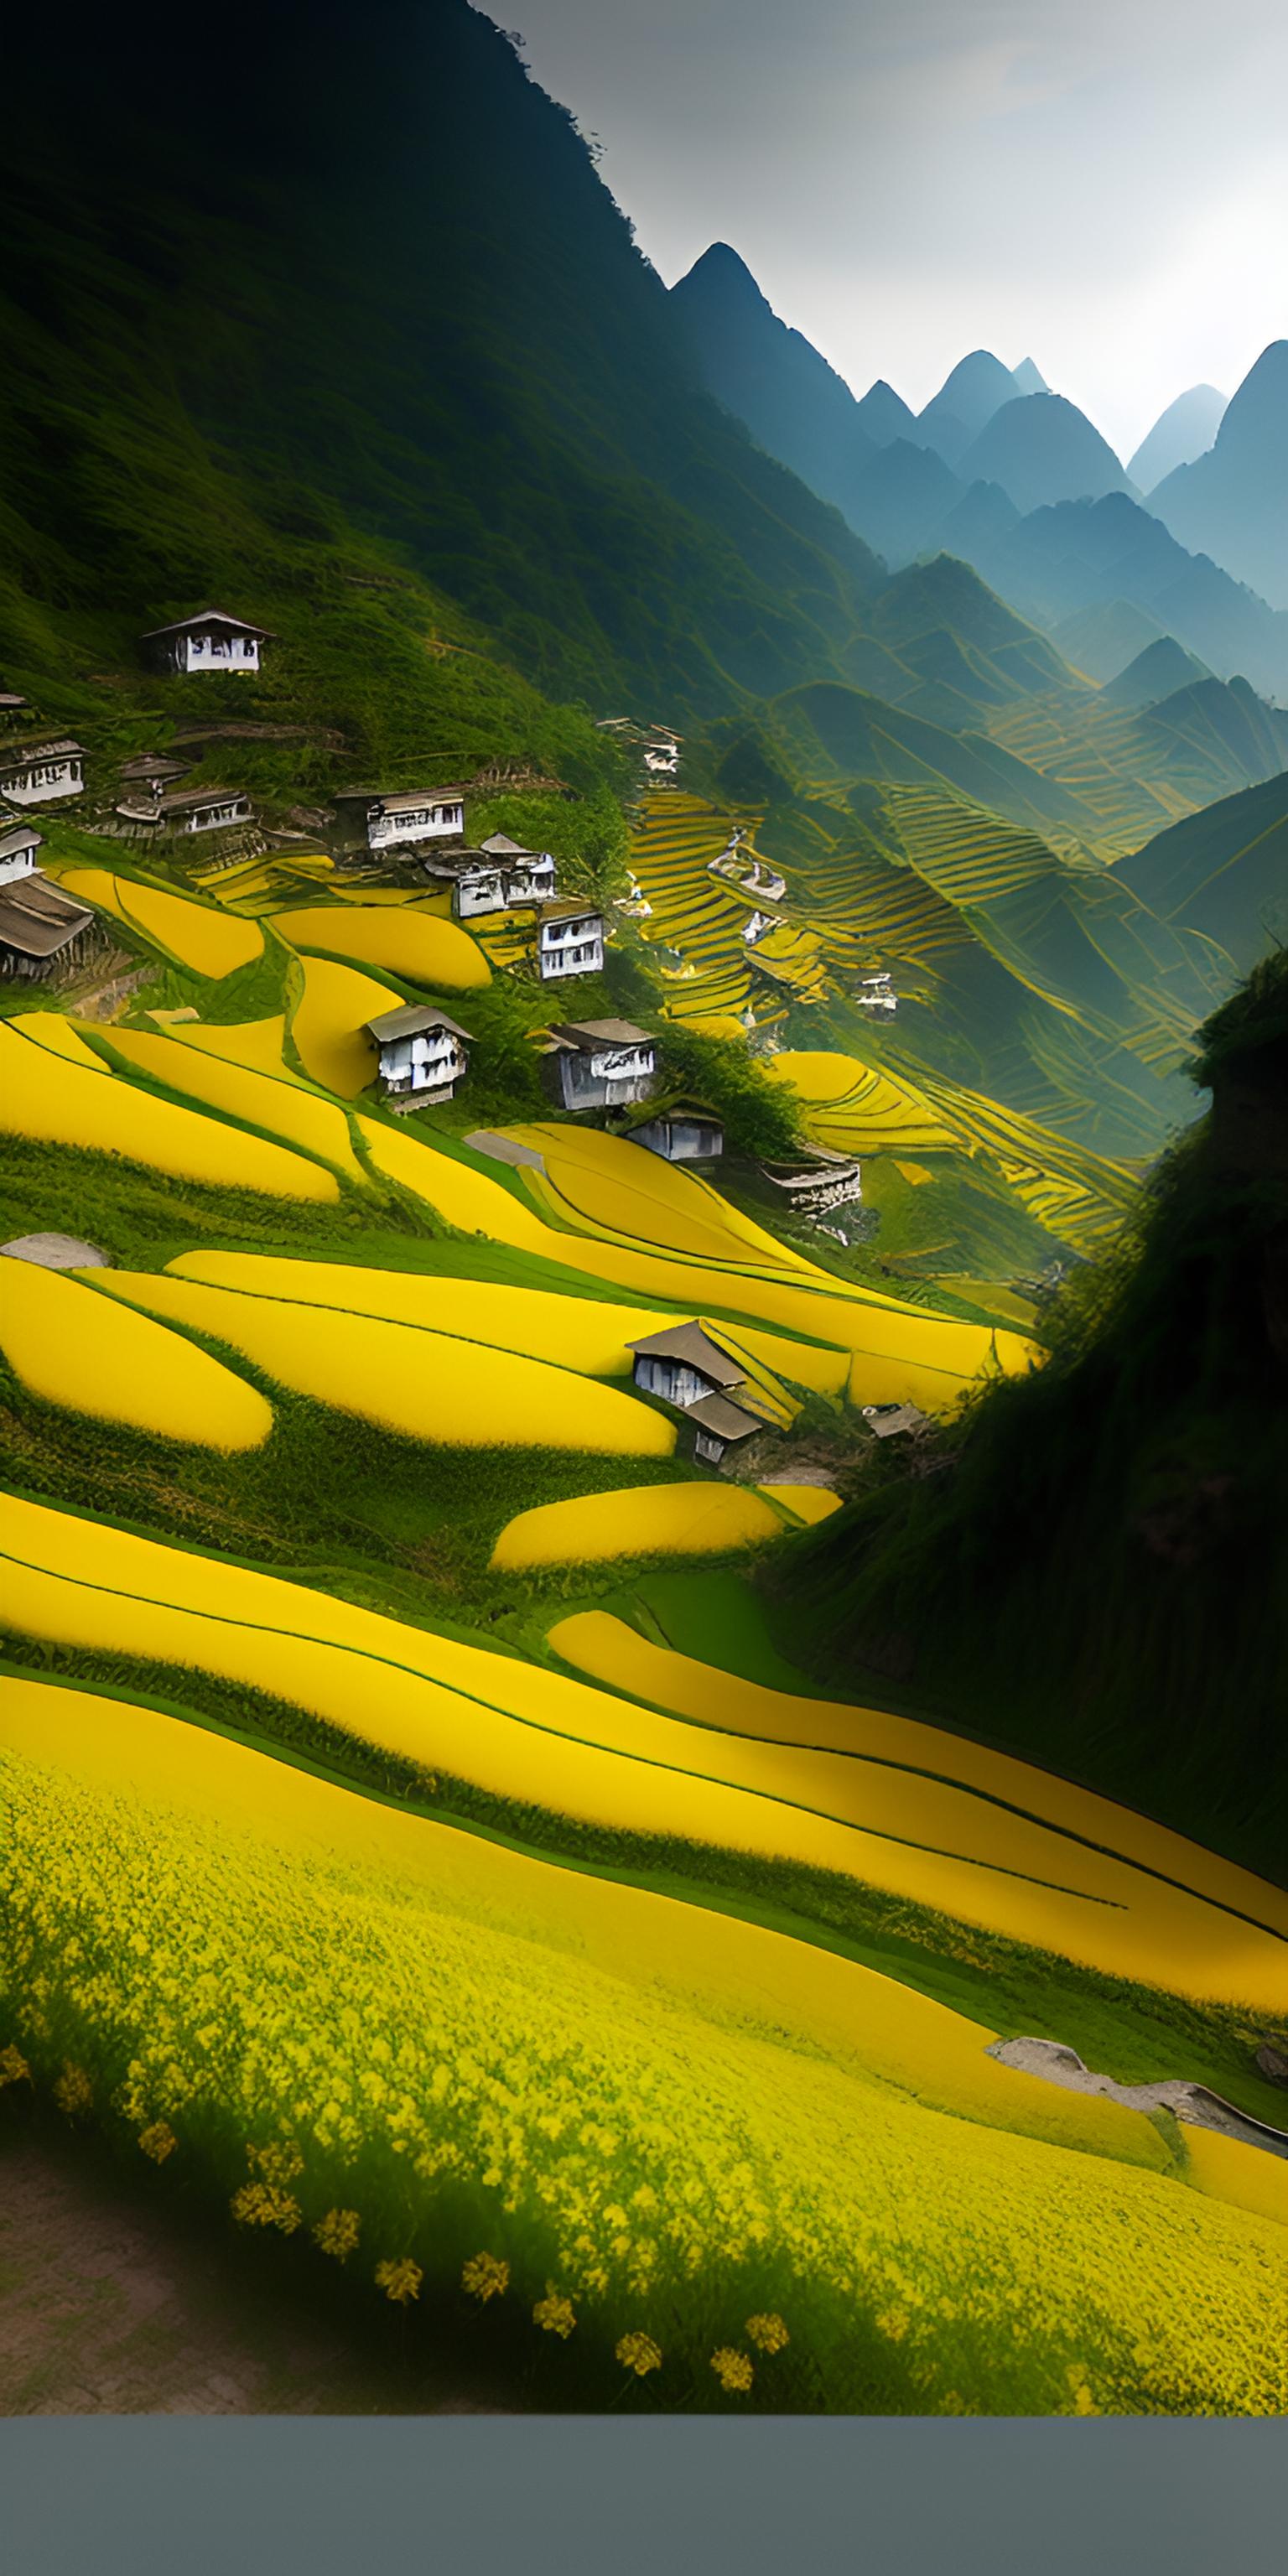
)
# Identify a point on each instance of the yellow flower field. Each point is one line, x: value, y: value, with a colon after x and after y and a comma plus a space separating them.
x: 416, y: 946
x: 808, y: 1503
x: 329, y: 1022
x: 255, y: 1043
x: 646, y: 1520
x: 533, y: 1736
x: 860, y: 1108
x: 423, y: 1385
x: 54, y: 1099
x: 77, y: 1349
x: 201, y: 937
x: 316, y: 1127
x: 673, y: 2117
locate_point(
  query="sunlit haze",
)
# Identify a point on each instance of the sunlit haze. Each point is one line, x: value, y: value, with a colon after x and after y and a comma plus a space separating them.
x: 1104, y: 188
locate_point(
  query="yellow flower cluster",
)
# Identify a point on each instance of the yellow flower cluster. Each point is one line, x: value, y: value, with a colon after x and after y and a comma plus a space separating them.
x: 555, y: 2313
x: 485, y: 2276
x: 73, y: 2091
x: 402, y: 2046
x: 13, y: 2066
x: 158, y: 2141
x: 732, y: 2369
x: 338, y: 2233
x: 400, y: 2281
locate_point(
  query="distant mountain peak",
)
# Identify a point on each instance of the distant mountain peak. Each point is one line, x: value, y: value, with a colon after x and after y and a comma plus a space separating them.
x: 1027, y: 380
x: 885, y: 415
x: 1232, y: 502
x: 975, y: 389
x: 722, y: 267
x: 1185, y: 430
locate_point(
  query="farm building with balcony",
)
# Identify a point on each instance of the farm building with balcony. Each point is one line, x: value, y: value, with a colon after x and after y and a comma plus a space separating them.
x: 208, y: 641
x: 422, y: 1056
x: 36, y: 773
x: 375, y: 821
x: 599, y: 1064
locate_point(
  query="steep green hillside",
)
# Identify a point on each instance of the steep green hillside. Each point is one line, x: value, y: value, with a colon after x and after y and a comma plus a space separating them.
x: 1099, y: 1571
x: 299, y: 349
x: 1222, y: 873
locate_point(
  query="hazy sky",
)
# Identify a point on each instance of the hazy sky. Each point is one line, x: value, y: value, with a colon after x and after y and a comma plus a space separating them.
x: 1099, y: 184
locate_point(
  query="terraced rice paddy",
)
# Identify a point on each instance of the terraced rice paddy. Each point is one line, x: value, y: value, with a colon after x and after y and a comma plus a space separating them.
x: 101, y: 1359
x: 328, y: 1025
x: 195, y: 934
x: 268, y: 1101
x: 672, y: 2120
x: 55, y: 1099
x: 412, y: 945
x: 421, y: 1384
x: 539, y: 1741
x: 649, y: 1520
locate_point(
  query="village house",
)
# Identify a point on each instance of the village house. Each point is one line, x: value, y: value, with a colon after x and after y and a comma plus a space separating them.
x: 191, y: 809
x: 681, y: 1135
x: 891, y: 1421
x: 599, y: 1064
x: 821, y: 1181
x: 688, y: 1369
x: 42, y: 932
x: 758, y: 925
x: 210, y: 640
x: 12, y: 707
x: 499, y: 877
x: 570, y: 941
x: 399, y: 821
x: 152, y: 772
x: 876, y: 993
x: 422, y: 1056
x: 38, y: 772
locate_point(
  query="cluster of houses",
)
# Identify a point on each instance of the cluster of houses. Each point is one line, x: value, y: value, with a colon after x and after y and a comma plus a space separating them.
x: 42, y: 932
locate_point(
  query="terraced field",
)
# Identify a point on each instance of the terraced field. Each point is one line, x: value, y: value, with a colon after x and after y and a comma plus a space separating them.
x: 418, y: 1894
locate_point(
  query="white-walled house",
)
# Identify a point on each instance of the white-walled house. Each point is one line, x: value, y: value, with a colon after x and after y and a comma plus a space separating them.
x: 570, y: 941
x: 18, y: 846
x: 208, y: 641
x: 599, y: 1064
x: 681, y: 1135
x: 422, y: 1055
x: 398, y: 821
x: 529, y: 875
x: 38, y: 772
x: 688, y: 1369
x: 499, y: 877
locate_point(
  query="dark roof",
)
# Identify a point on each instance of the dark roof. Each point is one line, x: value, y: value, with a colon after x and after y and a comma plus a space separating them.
x: 396, y: 799
x: 568, y: 911
x: 723, y: 1420
x: 154, y: 764
x: 15, y: 834
x: 887, y: 1419
x: 208, y: 617
x: 8, y: 699
x: 690, y: 1342
x: 588, y: 1035
x: 37, y: 918
x: 406, y: 1022
x: 20, y: 755
x: 500, y: 846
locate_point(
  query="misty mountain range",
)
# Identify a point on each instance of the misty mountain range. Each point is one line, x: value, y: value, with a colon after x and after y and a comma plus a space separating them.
x: 1188, y: 541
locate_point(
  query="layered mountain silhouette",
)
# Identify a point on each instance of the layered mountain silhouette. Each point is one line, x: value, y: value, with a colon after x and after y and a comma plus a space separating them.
x: 965, y: 403
x: 1040, y: 449
x: 1162, y: 668
x: 1222, y: 873
x: 795, y: 405
x: 1027, y: 378
x: 1232, y: 503
x: 884, y: 414
x: 1185, y: 430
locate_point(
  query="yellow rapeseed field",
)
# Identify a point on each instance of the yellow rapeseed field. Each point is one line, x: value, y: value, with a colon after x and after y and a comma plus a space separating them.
x: 453, y: 2057
x: 527, y: 1734
x: 643, y: 1520
x: 254, y: 1043
x: 808, y: 1503
x: 411, y: 944
x: 55, y: 1100
x: 329, y: 1022
x: 201, y: 937
x: 424, y: 1385
x: 81, y: 1350
x: 316, y: 1127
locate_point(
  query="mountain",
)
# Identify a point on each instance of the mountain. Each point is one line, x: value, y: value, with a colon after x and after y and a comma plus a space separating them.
x: 1163, y: 667
x: 906, y: 490
x: 1185, y: 430
x: 980, y: 519
x: 1222, y: 873
x: 1027, y: 380
x: 1106, y: 638
x: 966, y: 401
x: 233, y: 368
x: 795, y: 405
x: 1099, y: 555
x: 1125, y: 1508
x: 884, y: 415
x: 1232, y: 503
x: 1041, y: 448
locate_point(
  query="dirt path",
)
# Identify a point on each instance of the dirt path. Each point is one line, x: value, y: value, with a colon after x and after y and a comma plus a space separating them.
x: 114, y: 2302
x: 1193, y: 2102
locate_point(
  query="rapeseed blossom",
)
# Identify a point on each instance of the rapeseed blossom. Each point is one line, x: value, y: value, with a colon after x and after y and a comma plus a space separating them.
x: 400, y: 2281
x: 73, y: 2091
x: 485, y: 2276
x: 768, y: 2333
x: 158, y: 2141
x: 13, y: 2066
x: 338, y: 2233
x: 639, y: 2353
x: 732, y: 2369
x: 555, y: 2313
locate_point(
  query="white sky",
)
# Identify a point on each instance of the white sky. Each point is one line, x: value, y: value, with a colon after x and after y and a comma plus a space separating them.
x: 1101, y: 185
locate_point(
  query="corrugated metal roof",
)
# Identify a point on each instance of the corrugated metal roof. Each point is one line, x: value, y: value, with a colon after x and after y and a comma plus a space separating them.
x: 689, y: 1342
